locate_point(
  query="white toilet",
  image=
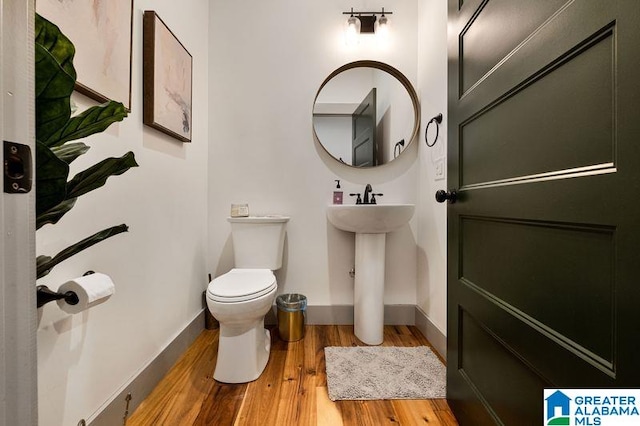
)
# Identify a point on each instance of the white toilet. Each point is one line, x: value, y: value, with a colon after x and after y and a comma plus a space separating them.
x: 241, y: 298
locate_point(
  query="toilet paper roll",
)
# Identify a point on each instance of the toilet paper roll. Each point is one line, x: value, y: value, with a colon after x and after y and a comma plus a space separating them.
x: 91, y: 289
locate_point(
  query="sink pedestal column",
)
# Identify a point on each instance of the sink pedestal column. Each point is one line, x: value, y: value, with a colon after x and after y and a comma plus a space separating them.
x: 369, y: 288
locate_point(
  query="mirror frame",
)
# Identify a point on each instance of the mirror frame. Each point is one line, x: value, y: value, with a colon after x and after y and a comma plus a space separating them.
x: 395, y: 73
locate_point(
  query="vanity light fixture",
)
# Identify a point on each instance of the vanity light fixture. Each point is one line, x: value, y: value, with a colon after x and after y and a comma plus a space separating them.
x: 365, y: 23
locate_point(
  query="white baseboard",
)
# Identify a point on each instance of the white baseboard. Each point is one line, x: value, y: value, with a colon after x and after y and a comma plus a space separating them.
x: 437, y: 339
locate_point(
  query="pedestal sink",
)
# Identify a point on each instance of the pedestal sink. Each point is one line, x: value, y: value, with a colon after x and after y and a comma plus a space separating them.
x: 370, y: 222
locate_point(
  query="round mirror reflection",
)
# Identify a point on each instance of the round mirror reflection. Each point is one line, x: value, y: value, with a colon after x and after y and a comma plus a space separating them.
x: 366, y: 114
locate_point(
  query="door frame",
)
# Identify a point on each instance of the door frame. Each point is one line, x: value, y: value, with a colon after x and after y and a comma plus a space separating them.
x: 18, y: 313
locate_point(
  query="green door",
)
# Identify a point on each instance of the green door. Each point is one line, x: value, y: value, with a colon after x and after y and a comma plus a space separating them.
x: 363, y: 141
x: 544, y: 239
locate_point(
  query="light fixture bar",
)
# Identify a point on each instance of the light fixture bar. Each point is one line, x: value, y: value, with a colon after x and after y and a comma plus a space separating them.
x: 354, y: 13
x: 365, y: 23
x: 367, y: 19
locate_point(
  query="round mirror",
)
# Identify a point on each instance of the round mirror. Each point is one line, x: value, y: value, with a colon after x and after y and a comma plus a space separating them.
x: 365, y: 114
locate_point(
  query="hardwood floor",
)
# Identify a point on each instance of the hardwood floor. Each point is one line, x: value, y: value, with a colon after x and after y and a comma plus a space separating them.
x: 291, y: 391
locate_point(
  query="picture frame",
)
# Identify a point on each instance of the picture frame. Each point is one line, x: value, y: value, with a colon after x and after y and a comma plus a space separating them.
x: 167, y: 80
x: 102, y: 35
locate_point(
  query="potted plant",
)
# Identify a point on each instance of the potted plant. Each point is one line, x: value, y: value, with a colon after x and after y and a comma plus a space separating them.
x: 56, y: 129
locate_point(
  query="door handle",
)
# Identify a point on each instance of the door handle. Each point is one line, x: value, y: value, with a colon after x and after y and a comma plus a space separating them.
x: 442, y: 196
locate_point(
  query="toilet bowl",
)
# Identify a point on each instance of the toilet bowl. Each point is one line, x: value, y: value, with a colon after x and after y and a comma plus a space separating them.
x: 241, y: 298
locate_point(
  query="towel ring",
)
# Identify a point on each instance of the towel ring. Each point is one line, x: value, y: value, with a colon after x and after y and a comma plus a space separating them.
x: 437, y: 119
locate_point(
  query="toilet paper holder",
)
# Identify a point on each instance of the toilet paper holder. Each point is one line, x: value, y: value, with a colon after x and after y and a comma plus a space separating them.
x: 46, y: 295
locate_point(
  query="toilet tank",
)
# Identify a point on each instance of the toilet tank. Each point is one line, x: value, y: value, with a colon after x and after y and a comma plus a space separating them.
x: 258, y: 241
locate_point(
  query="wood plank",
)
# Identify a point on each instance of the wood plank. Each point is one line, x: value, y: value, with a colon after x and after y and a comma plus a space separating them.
x: 222, y: 405
x: 307, y: 392
x: 320, y: 341
x: 404, y: 335
x: 193, y: 375
x: 328, y: 413
x: 333, y: 335
x: 349, y: 412
x: 291, y: 390
x: 310, y: 352
x: 347, y: 338
x: 295, y: 406
x: 415, y: 412
x: 263, y: 393
x: 392, y: 336
x: 443, y: 412
x: 417, y: 334
x: 367, y: 413
x: 378, y: 412
x: 325, y: 335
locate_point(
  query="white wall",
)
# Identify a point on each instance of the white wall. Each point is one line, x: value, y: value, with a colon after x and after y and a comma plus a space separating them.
x: 159, y: 266
x: 336, y: 134
x: 395, y: 114
x: 432, y: 218
x: 267, y: 61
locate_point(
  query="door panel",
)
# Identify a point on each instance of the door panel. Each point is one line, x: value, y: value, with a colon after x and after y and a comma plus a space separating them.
x: 552, y: 283
x: 504, y: 37
x: 482, y: 350
x: 543, y: 129
x: 548, y: 125
x: 364, y: 146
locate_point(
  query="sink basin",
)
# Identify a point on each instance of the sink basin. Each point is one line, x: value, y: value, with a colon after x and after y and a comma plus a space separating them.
x: 370, y: 218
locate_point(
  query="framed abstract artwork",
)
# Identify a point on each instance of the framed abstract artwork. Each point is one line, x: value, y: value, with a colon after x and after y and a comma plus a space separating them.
x: 101, y: 32
x: 167, y: 74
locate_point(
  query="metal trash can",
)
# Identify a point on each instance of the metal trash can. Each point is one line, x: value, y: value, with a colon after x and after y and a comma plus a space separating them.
x: 292, y: 316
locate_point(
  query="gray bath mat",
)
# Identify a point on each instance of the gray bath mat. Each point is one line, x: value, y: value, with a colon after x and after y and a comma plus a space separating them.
x: 383, y: 372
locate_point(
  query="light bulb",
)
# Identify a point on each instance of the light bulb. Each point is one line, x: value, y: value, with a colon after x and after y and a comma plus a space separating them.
x: 352, y: 31
x: 382, y: 28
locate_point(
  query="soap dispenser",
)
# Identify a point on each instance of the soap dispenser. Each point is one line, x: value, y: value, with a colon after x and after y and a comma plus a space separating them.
x: 337, y: 194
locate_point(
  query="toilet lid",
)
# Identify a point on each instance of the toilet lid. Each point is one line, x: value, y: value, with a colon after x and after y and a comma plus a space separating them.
x: 239, y: 285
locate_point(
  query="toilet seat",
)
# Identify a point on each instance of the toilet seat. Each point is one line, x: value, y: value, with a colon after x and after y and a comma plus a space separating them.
x: 240, y: 285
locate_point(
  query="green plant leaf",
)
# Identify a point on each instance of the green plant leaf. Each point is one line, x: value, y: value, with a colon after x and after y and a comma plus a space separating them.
x: 49, y: 36
x: 41, y: 262
x: 52, y: 109
x: 70, y: 151
x: 55, y: 214
x: 45, y: 263
x: 55, y: 78
x: 51, y: 179
x: 96, y: 175
x: 93, y: 120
